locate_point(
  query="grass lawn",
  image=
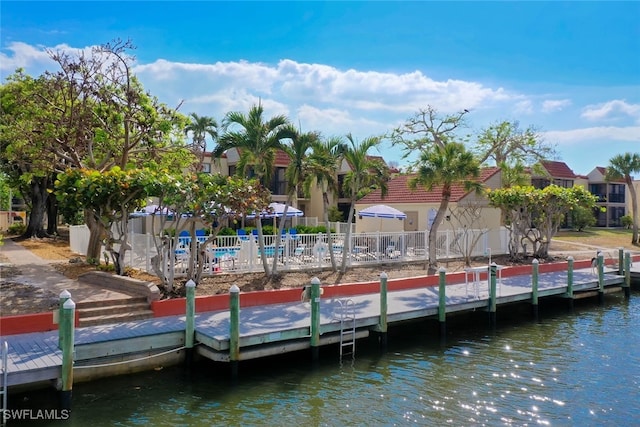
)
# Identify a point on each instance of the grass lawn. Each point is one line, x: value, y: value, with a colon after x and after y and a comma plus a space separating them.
x: 603, y: 237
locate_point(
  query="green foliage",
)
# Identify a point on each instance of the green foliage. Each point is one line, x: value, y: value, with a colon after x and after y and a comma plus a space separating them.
x: 73, y: 218
x: 626, y: 221
x: 536, y: 214
x: 110, y: 195
x: 106, y: 267
x: 268, y: 230
x: 305, y: 229
x: 582, y: 218
x: 5, y: 192
x: 335, y: 214
x: 227, y: 231
x: 17, y: 228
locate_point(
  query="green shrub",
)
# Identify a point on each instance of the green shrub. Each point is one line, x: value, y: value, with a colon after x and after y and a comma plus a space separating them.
x: 335, y: 214
x: 17, y: 228
x: 582, y: 218
x: 227, y: 231
x: 626, y: 221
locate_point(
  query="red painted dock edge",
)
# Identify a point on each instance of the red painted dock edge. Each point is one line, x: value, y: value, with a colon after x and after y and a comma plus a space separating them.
x: 177, y: 306
x: 27, y: 323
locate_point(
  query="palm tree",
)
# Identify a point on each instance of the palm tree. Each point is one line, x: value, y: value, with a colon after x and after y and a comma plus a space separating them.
x: 295, y: 174
x: 200, y: 127
x: 622, y: 166
x: 445, y: 166
x: 257, y: 142
x: 365, y: 173
x: 322, y: 170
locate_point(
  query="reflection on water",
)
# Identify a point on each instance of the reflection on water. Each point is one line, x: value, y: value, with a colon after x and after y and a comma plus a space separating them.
x: 570, y: 369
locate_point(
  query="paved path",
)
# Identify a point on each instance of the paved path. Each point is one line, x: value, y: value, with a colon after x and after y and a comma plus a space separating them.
x: 40, y: 273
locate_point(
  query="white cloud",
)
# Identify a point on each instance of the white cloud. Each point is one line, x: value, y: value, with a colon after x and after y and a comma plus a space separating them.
x: 523, y: 107
x: 334, y: 121
x: 24, y: 56
x: 324, y: 86
x: 605, y: 134
x: 552, y: 105
x: 614, y: 109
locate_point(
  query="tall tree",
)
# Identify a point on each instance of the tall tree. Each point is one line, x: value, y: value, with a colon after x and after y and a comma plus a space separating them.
x: 24, y: 142
x: 505, y: 143
x: 535, y: 215
x: 323, y: 166
x: 257, y: 141
x: 295, y: 175
x: 108, y: 118
x: 366, y: 173
x: 445, y: 166
x: 427, y: 128
x: 94, y: 114
x: 200, y: 127
x: 622, y: 166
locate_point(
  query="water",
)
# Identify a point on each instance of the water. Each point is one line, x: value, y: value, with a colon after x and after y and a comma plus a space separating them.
x: 580, y: 368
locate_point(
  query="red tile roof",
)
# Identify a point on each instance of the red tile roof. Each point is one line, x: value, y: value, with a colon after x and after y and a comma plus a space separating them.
x: 603, y: 171
x: 557, y: 169
x: 281, y: 159
x: 399, y: 192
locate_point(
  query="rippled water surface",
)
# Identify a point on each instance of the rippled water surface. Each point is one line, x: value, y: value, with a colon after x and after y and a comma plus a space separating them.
x: 580, y: 368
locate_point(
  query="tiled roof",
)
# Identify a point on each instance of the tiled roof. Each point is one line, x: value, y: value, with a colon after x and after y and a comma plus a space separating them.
x: 399, y: 192
x: 558, y: 169
x: 281, y: 159
x: 603, y: 171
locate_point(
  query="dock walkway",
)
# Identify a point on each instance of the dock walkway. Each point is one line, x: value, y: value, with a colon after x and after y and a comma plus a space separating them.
x: 271, y: 329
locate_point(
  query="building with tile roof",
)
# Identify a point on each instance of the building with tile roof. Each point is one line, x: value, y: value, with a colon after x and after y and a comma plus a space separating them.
x: 420, y: 205
x: 612, y: 195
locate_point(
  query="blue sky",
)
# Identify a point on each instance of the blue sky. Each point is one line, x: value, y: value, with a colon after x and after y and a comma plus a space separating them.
x: 570, y: 69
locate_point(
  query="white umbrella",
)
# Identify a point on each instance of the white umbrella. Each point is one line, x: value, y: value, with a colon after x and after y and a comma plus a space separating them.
x: 276, y: 210
x: 151, y: 210
x: 382, y: 211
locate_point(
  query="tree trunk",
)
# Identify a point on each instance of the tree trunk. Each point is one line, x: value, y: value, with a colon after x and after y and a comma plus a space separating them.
x: 634, y: 212
x: 433, y: 234
x: 283, y: 220
x: 52, y: 215
x: 325, y: 204
x: 263, y: 255
x: 346, y: 245
x: 96, y: 235
x: 39, y: 194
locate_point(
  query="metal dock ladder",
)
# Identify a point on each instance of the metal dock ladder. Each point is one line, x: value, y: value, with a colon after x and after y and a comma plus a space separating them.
x: 3, y: 392
x: 347, y: 317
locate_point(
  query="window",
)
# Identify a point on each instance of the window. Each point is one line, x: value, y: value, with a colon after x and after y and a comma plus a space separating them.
x: 616, y: 193
x: 599, y: 190
x: 614, y: 216
x: 566, y: 183
x: 540, y: 183
x: 206, y: 167
x: 278, y: 183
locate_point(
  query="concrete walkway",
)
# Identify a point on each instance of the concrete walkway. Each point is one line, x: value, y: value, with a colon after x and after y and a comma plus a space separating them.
x: 39, y: 272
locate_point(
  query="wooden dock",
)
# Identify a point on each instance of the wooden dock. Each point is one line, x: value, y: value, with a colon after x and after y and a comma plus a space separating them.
x: 277, y: 328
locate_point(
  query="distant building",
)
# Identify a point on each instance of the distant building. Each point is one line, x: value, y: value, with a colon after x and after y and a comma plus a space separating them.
x: 611, y: 195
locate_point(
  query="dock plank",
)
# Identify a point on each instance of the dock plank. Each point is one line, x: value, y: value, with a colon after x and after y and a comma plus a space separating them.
x: 277, y: 328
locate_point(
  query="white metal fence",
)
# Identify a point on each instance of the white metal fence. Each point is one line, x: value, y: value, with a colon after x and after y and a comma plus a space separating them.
x: 241, y: 253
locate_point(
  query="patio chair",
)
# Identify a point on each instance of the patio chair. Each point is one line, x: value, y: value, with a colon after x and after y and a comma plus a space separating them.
x: 201, y: 235
x: 242, y: 234
x: 300, y: 254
